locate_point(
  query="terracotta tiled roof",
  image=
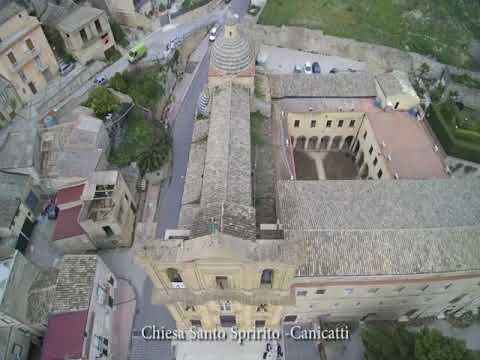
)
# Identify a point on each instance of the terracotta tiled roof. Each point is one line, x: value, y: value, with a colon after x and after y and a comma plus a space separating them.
x: 67, y: 223
x: 70, y: 194
x: 65, y: 335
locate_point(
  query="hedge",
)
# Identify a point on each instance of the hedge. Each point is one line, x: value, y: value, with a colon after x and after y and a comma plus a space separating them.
x: 456, y: 142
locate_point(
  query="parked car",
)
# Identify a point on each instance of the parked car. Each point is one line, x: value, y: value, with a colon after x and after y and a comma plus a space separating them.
x: 297, y: 69
x: 65, y: 69
x: 316, y: 68
x: 213, y: 34
x: 100, y: 80
x: 308, y: 68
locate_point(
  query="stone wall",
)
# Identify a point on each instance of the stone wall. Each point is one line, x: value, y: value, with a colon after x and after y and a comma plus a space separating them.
x: 134, y: 20
x: 190, y: 16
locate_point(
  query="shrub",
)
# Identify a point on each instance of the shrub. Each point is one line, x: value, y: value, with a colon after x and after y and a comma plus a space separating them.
x: 119, y: 82
x: 118, y: 34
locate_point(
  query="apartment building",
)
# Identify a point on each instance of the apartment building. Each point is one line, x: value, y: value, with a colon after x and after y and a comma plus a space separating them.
x: 20, y: 204
x: 96, y: 214
x: 87, y: 34
x: 83, y: 310
x: 26, y: 59
x: 10, y: 102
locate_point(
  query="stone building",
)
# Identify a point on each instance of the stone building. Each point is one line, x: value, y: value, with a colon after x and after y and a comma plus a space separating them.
x: 96, y: 214
x: 87, y: 34
x: 10, y: 102
x: 82, y: 310
x: 72, y: 148
x: 25, y: 293
x: 26, y: 59
x: 20, y: 204
x: 402, y: 246
x: 339, y: 112
x: 395, y: 92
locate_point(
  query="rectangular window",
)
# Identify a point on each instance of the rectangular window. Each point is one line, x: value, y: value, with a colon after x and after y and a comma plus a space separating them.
x: 196, y: 323
x: 352, y: 123
x: 259, y: 324
x: 380, y: 173
x: 12, y: 58
x: 321, y: 291
x: 348, y: 291
x: 222, y: 282
x: 375, y: 161
x: 290, y: 318
x: 313, y: 123
x: 101, y: 295
x: 108, y: 230
x: 22, y: 75
x: 227, y: 320
x: 83, y: 35
x: 329, y: 123
x: 17, y: 351
x: 98, y: 26
x: 364, y: 135
x: 373, y: 290
x: 29, y: 44
x: 340, y: 123
x: 370, y: 150
x: 302, y: 292
x: 296, y: 123
x: 32, y: 87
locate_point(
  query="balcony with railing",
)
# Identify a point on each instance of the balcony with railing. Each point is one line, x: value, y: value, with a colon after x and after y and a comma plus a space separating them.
x: 25, y: 59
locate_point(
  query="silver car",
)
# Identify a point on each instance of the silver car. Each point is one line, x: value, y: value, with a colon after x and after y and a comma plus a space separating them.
x: 65, y: 69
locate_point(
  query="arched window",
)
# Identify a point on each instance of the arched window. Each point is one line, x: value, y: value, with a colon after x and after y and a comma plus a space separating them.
x: 266, y: 280
x: 174, y: 276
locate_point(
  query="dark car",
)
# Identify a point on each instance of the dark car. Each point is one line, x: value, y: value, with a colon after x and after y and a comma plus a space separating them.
x: 316, y: 68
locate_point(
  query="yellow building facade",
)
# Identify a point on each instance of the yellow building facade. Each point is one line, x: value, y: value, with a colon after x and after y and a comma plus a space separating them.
x: 26, y: 59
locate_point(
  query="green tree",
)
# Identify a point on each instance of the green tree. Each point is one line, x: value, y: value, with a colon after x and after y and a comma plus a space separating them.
x: 430, y: 344
x: 102, y: 101
x: 383, y: 342
x: 154, y: 155
x: 119, y: 82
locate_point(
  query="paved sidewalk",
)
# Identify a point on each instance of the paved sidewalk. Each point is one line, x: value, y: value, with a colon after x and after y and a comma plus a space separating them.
x: 182, y: 87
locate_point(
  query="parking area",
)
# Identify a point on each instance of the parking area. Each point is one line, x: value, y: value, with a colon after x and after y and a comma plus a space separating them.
x: 283, y: 60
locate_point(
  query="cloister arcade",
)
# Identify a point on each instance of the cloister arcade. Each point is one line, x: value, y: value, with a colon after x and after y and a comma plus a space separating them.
x: 325, y: 143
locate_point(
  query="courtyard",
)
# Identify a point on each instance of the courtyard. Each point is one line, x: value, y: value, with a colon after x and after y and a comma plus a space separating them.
x: 324, y: 165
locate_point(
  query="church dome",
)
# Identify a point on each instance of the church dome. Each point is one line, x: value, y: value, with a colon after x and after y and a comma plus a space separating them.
x: 232, y: 51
